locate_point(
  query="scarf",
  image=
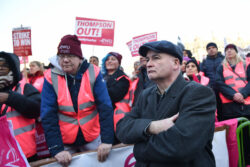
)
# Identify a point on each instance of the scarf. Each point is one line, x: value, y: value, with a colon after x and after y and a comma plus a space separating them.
x: 6, y: 80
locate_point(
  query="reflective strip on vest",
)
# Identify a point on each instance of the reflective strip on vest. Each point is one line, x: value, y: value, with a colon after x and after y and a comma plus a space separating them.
x: 92, y: 76
x: 12, y: 114
x: 241, y: 79
x: 229, y: 77
x: 66, y: 108
x: 86, y: 105
x: 82, y: 121
x: 88, y: 118
x: 231, y: 85
x: 54, y: 82
x: 124, y: 101
x: 68, y: 119
x: 119, y: 111
x: 24, y: 129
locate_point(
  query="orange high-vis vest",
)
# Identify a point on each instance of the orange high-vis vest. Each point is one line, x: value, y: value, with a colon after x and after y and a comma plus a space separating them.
x: 236, y: 82
x: 204, y: 80
x: 24, y: 128
x: 247, y: 60
x: 123, y: 106
x: 38, y: 84
x: 87, y: 117
x: 133, y: 88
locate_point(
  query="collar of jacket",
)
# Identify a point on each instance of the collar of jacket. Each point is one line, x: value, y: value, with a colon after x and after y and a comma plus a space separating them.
x: 219, y: 55
x: 175, y: 88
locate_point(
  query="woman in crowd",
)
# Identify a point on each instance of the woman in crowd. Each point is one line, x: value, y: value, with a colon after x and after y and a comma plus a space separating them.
x: 117, y: 83
x: 232, y: 79
x: 35, y: 75
x: 36, y: 78
x: 192, y: 73
x: 94, y: 60
x: 136, y: 70
x: 21, y: 104
x: 183, y: 65
x: 187, y: 53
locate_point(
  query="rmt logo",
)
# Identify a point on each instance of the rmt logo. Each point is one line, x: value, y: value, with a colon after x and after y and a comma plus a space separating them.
x: 64, y: 47
x: 106, y: 41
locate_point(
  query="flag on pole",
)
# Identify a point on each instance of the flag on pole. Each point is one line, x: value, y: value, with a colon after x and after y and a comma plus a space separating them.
x: 180, y: 44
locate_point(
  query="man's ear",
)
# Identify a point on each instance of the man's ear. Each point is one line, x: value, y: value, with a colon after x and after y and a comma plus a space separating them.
x: 177, y: 64
x: 177, y: 61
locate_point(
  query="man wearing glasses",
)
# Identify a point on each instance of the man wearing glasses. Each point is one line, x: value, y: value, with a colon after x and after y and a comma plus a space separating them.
x: 76, y: 110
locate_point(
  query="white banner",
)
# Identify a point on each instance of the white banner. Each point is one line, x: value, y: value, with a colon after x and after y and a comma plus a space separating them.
x: 140, y: 40
x: 220, y: 149
x: 119, y: 157
x: 124, y: 157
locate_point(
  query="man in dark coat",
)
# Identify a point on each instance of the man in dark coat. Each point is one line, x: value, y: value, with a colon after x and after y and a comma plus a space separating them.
x: 172, y: 123
x: 208, y: 67
x: 143, y: 81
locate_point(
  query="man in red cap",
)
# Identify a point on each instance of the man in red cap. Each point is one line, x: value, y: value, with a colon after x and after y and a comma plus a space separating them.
x: 76, y: 110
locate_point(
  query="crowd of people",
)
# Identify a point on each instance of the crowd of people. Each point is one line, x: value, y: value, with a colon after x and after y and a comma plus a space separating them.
x: 170, y: 99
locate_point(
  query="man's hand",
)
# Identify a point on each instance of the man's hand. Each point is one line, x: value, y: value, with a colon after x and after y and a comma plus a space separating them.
x: 238, y: 97
x: 162, y: 125
x: 103, y: 151
x: 64, y: 158
x: 3, y: 97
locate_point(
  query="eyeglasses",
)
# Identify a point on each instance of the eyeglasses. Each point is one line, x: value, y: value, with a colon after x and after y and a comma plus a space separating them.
x: 66, y: 56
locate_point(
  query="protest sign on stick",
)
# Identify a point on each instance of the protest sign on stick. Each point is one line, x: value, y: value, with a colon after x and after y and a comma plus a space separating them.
x: 94, y: 31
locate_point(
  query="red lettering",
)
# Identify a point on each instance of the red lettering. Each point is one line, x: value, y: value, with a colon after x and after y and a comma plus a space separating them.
x: 91, y: 32
x: 129, y: 162
x: 79, y: 31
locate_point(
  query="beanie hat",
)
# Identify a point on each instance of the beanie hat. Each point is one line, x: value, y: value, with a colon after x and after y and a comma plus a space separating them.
x: 70, y: 44
x: 211, y: 44
x: 116, y: 55
x: 195, y: 62
x: 231, y: 46
x: 186, y: 59
x: 189, y: 53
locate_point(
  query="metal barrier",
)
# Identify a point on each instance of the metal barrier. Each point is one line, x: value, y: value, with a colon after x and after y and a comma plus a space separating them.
x: 243, y: 123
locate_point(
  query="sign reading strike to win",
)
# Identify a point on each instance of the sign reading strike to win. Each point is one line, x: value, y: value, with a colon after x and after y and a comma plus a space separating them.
x: 136, y: 42
x: 95, y: 32
x: 22, y: 41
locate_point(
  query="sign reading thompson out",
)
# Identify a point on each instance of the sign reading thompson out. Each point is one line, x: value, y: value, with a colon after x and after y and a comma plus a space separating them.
x: 136, y: 42
x: 22, y: 41
x: 95, y: 32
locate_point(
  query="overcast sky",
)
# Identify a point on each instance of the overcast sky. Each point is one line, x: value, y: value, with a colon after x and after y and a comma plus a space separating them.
x: 52, y: 19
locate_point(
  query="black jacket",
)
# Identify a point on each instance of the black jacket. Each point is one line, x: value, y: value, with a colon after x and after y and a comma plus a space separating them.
x: 27, y: 104
x: 117, y: 88
x: 142, y: 84
x: 188, y: 143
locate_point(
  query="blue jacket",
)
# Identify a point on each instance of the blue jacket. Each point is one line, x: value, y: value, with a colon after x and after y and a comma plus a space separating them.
x: 209, y: 66
x: 49, y: 109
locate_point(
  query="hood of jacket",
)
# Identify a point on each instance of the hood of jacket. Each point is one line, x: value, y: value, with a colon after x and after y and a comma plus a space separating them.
x: 14, y: 64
